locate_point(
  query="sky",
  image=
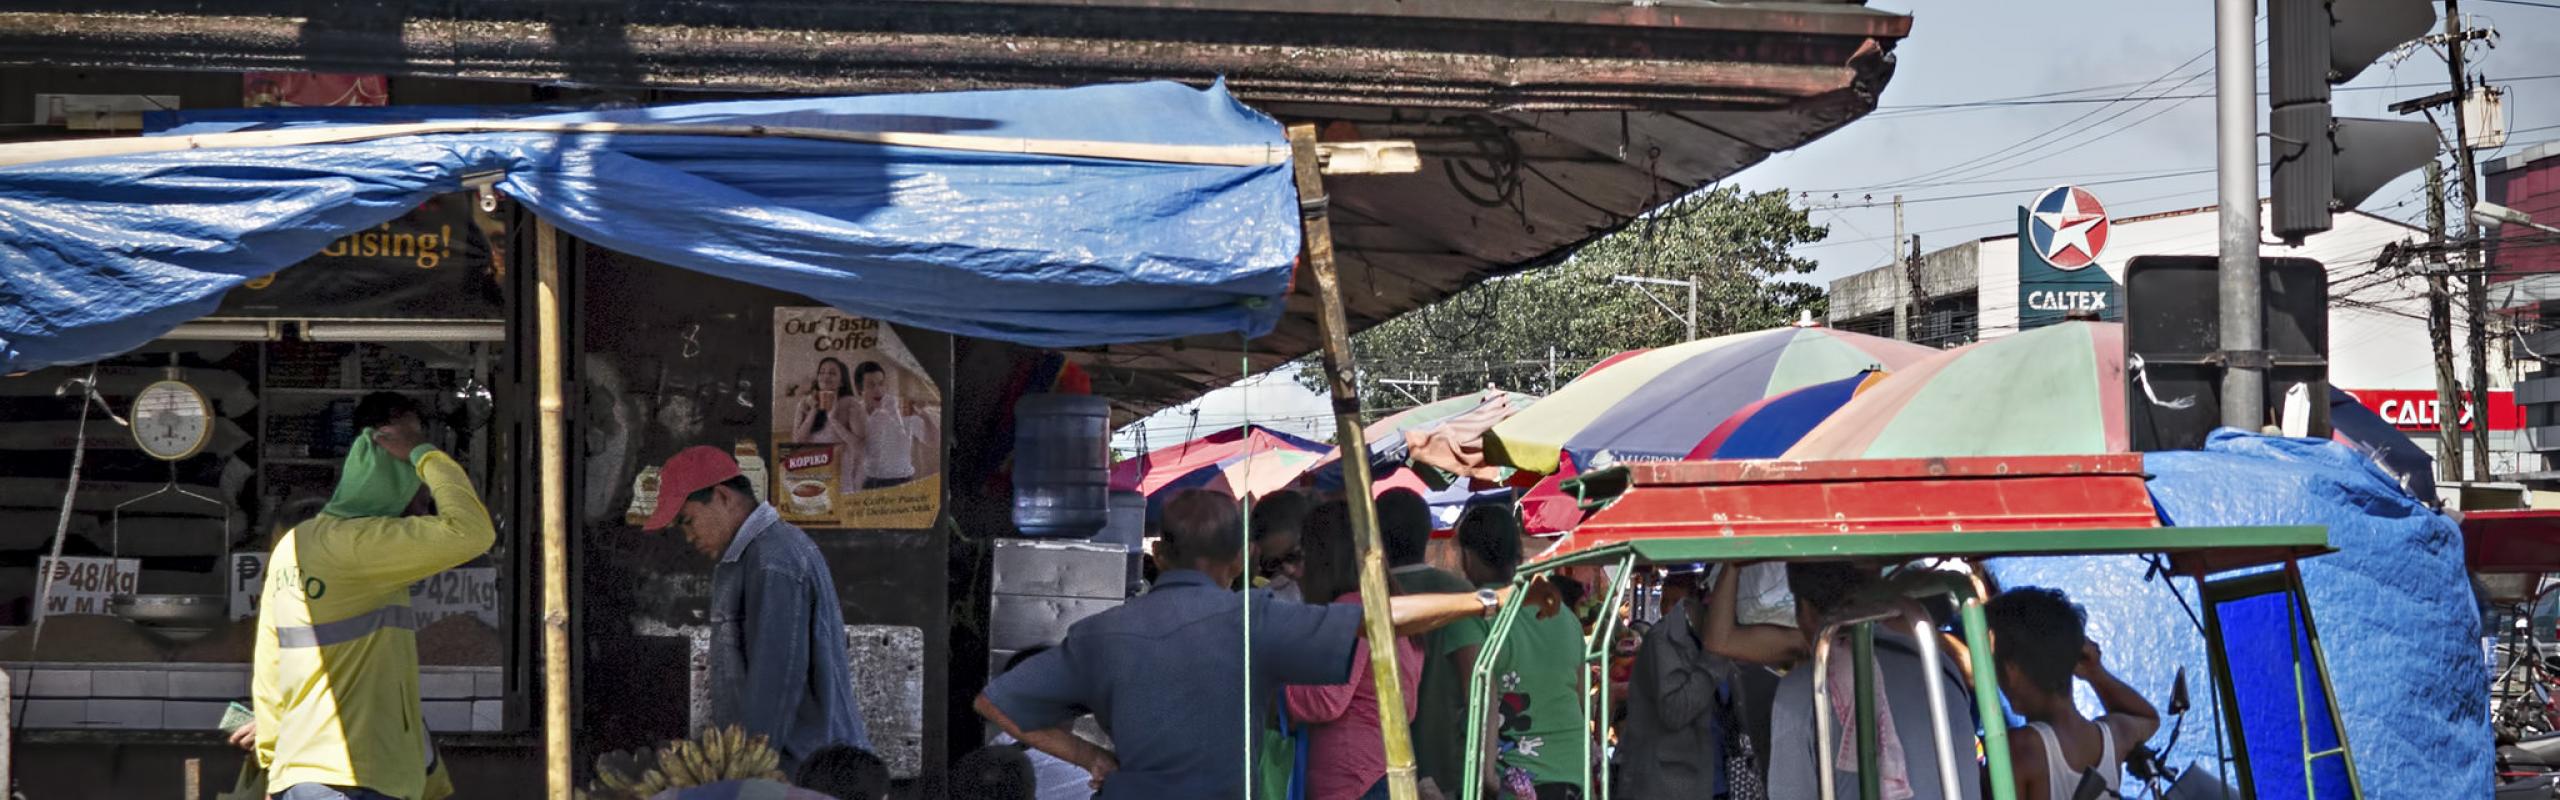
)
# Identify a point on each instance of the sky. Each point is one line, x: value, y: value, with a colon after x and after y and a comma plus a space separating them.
x: 1976, y: 50
x: 1967, y: 51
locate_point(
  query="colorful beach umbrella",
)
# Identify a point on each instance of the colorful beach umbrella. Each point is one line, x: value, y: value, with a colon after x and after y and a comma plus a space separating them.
x: 1766, y: 429
x: 1164, y: 467
x: 1260, y: 474
x: 1446, y: 436
x: 2055, y: 390
x: 1660, y: 404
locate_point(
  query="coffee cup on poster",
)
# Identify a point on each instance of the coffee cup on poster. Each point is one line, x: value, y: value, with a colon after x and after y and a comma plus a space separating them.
x: 808, y: 480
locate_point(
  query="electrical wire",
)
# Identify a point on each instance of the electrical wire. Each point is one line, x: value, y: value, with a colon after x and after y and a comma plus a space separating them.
x: 2063, y: 129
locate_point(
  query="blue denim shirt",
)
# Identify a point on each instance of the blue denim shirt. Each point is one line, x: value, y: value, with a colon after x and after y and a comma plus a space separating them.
x: 1164, y: 674
x: 779, y: 660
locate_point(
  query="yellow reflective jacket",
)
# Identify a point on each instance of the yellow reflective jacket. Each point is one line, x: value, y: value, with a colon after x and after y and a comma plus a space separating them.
x: 336, y: 677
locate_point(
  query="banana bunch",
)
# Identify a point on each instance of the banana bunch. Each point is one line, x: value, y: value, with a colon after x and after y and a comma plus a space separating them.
x: 719, y: 754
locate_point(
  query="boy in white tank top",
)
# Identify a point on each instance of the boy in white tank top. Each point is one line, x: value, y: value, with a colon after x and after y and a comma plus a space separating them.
x: 2040, y: 642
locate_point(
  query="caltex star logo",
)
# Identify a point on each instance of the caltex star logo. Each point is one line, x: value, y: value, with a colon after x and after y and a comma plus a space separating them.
x: 2070, y: 228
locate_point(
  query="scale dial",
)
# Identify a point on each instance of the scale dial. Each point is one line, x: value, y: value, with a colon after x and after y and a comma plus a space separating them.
x: 171, y: 420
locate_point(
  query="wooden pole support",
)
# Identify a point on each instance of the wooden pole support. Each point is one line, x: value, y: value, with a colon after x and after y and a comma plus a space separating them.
x: 1317, y: 253
x: 551, y: 356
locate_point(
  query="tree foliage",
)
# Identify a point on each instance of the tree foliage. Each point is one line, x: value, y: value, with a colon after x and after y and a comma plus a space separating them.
x: 1507, y: 332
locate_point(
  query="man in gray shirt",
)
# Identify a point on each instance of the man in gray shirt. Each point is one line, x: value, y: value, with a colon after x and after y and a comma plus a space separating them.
x: 1672, y: 743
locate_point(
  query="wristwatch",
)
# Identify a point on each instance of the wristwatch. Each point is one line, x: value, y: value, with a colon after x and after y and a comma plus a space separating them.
x: 1492, y: 601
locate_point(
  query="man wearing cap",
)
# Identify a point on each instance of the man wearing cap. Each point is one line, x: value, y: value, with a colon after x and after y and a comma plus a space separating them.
x: 335, y: 681
x: 779, y: 665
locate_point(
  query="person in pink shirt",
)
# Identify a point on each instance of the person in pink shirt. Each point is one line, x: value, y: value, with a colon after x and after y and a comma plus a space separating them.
x: 1347, y: 755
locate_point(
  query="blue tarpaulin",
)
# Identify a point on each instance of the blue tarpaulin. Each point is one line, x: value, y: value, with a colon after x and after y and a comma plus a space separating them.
x: 2393, y: 607
x: 100, y: 255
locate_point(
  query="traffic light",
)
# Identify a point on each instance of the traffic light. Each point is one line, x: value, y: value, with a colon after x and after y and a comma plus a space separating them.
x: 2323, y: 164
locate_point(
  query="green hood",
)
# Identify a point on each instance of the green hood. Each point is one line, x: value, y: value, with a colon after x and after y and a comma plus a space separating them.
x: 373, y: 483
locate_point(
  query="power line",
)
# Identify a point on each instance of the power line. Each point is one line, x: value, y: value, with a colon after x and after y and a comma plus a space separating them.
x: 2030, y: 101
x: 1870, y: 191
x: 1971, y: 225
x: 2009, y: 192
x: 2525, y: 3
x: 1994, y: 155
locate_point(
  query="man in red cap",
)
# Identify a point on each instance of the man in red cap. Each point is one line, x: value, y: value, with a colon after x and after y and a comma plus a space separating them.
x: 779, y: 665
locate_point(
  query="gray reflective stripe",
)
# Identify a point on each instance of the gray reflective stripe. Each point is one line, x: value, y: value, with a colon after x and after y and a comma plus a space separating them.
x: 347, y: 630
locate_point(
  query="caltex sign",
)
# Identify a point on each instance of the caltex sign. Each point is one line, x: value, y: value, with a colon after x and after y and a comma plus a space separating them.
x: 2060, y: 236
x: 2416, y: 409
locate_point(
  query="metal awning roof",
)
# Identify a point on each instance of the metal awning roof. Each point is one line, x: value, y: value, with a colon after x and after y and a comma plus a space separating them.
x: 1543, y: 123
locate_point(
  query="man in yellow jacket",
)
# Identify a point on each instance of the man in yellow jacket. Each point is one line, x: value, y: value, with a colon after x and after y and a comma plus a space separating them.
x: 335, y: 685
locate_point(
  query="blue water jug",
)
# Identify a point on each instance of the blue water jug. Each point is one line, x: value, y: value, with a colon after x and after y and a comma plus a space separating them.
x: 1061, y: 465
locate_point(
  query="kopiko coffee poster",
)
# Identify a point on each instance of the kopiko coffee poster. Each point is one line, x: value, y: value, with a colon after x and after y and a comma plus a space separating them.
x: 857, y: 422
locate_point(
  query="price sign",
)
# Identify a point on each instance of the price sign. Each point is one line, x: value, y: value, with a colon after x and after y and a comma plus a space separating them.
x: 248, y: 578
x: 461, y: 590
x: 83, y: 585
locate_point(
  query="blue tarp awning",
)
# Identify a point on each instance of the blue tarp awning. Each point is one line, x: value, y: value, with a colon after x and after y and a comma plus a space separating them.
x: 100, y: 255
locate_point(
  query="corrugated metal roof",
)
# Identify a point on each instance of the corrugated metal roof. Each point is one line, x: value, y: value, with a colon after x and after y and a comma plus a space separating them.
x: 1543, y: 123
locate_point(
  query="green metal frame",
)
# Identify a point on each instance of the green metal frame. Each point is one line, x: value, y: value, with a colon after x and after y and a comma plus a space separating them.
x: 2300, y: 540
x: 2287, y: 582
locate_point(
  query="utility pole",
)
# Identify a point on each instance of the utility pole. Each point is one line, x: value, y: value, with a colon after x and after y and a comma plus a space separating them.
x: 1692, y: 319
x: 1689, y: 319
x: 1551, y: 369
x: 2440, y: 334
x: 2235, y: 79
x: 2475, y: 278
x: 1903, y: 309
x: 1919, y: 291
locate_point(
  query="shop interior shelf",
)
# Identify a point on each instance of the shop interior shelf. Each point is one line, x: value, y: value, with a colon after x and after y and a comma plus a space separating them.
x: 278, y: 461
x: 327, y: 391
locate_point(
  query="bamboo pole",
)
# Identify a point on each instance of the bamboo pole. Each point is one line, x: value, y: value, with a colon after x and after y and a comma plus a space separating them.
x: 1341, y: 158
x: 1317, y: 252
x: 550, y: 355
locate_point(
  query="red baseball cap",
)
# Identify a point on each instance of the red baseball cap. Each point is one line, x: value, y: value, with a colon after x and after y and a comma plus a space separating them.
x: 692, y: 469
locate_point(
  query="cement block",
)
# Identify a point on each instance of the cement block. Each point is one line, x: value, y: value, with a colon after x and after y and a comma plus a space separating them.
x: 227, y: 684
x: 129, y: 683
x: 488, y: 682
x: 191, y: 715
x: 444, y: 685
x: 53, y: 713
x: 447, y: 716
x: 488, y: 716
x: 144, y: 714
x: 58, y: 683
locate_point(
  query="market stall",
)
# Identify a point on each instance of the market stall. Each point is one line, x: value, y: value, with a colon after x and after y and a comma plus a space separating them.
x: 837, y: 254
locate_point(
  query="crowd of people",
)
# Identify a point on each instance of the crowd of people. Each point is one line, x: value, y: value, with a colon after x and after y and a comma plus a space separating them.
x: 1160, y: 697
x: 1710, y: 701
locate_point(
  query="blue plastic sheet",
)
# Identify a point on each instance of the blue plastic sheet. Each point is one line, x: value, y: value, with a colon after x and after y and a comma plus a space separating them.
x: 2393, y: 606
x: 98, y: 256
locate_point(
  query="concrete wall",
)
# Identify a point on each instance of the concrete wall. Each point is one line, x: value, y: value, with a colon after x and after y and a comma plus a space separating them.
x: 1943, y: 272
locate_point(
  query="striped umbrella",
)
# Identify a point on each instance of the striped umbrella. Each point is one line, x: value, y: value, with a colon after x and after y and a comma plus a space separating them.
x: 1260, y: 474
x: 1766, y: 429
x: 2055, y: 390
x: 1660, y: 404
x: 1186, y: 464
